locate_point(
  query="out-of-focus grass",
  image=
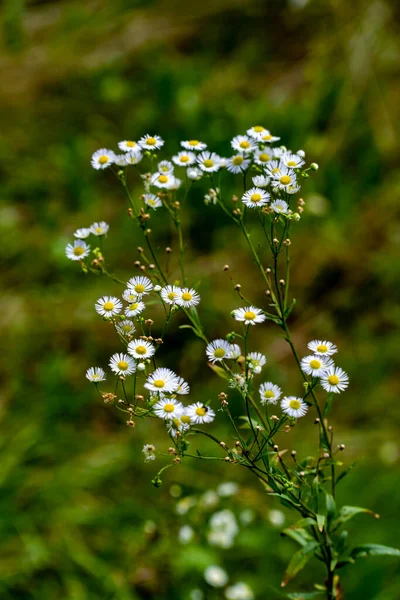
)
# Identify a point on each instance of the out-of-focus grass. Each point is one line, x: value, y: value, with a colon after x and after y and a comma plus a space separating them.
x: 75, y: 492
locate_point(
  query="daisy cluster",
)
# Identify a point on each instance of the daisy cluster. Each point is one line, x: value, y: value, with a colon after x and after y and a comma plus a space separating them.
x: 80, y: 249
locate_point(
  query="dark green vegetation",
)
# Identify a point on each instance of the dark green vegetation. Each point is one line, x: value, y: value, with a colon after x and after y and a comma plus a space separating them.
x: 76, y: 76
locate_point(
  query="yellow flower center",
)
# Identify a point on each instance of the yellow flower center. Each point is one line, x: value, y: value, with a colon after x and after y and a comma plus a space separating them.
x: 219, y: 353
x: 159, y: 383
x: 333, y: 379
x: 291, y: 163
x: 184, y: 158
x: 244, y: 144
x: 285, y: 179
x: 295, y: 404
x: 187, y: 296
x: 208, y: 163
x: 322, y: 348
x: 126, y: 328
x: 249, y: 315
x: 269, y: 394
x: 103, y: 159
x: 133, y: 306
x: 164, y: 169
x: 256, y: 197
x: 276, y: 170
x: 95, y: 376
x: 258, y: 129
x: 141, y: 349
x: 315, y: 364
x: 108, y: 306
x: 162, y: 178
x: 279, y: 206
x: 78, y: 251
x: 201, y: 411
x: 151, y: 141
x: 168, y: 407
x: 139, y: 288
x: 99, y: 229
x: 185, y: 419
x: 264, y: 157
x: 151, y: 202
x: 176, y: 422
x: 131, y: 144
x: 172, y: 296
x: 193, y: 142
x: 122, y: 365
x: 237, y: 160
x: 267, y: 137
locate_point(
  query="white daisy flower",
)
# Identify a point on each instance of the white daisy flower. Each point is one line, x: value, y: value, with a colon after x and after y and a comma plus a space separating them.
x: 257, y: 131
x: 152, y: 200
x: 108, y: 306
x: 82, y: 233
x: 175, y: 184
x: 293, y: 189
x: 256, y: 361
x: 151, y: 142
x: 183, y: 387
x: 334, y: 380
x: 148, y: 451
x: 208, y: 161
x: 244, y: 144
x: 237, y: 164
x: 292, y: 161
x: 165, y: 166
x: 262, y: 157
x: 125, y: 327
x: 181, y: 424
x: 280, y: 206
x: 170, y: 294
x: 239, y: 591
x: 140, y: 349
x: 135, y: 309
x: 235, y: 351
x: 194, y: 173
x: 95, y: 374
x: 268, y: 138
x: 128, y: 145
x: 199, y: 413
x: 255, y: 197
x: 322, y: 348
x: 269, y: 393
x: 294, y: 407
x: 278, y: 152
x: 129, y: 295
x: 78, y: 250
x: 184, y: 159
x: 249, y: 315
x: 99, y: 228
x: 216, y: 576
x: 188, y: 297
x: 194, y: 145
x: 260, y: 181
x: 134, y: 157
x: 120, y: 160
x: 140, y: 285
x: 162, y: 380
x: 162, y: 180
x: 273, y: 168
x: 284, y: 178
x: 315, y: 365
x: 122, y: 364
x: 103, y: 158
x: 168, y: 408
x: 218, y: 350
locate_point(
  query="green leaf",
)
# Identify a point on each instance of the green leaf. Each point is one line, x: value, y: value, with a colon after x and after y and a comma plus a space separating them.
x: 321, y: 522
x: 249, y: 424
x: 303, y: 523
x: 305, y: 595
x: 348, y: 512
x: 298, y: 561
x: 341, y: 543
x: 301, y: 536
x: 346, y: 472
x: 373, y: 550
x: 328, y: 405
x: 219, y: 371
x: 290, y: 308
x: 285, y: 500
x: 330, y: 507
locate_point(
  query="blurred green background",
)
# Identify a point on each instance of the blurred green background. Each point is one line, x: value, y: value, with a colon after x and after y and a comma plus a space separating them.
x: 78, y: 516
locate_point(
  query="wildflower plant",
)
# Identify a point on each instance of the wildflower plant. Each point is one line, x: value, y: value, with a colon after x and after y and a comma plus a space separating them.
x: 268, y: 180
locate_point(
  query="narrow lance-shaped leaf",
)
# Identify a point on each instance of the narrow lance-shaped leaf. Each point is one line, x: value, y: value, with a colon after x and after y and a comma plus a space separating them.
x: 373, y: 550
x: 348, y: 512
x: 301, y: 536
x: 298, y: 561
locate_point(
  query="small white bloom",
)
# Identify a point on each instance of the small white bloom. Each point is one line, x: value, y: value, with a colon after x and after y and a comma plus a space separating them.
x: 255, y: 197
x: 102, y: 158
x: 95, y: 374
x: 239, y: 591
x: 194, y: 173
x: 186, y: 534
x: 141, y: 349
x: 262, y: 157
x: 163, y: 180
x: 162, y: 380
x: 261, y: 181
x: 127, y: 145
x: 256, y: 359
x: 135, y: 309
x: 108, y: 306
x: 152, y: 200
x: 322, y: 348
x: 165, y: 166
x: 284, y: 178
x: 122, y: 364
x: 157, y: 288
x: 184, y: 159
x: 276, y: 517
x: 223, y: 529
x: 209, y: 499
x: 228, y: 488
x: 269, y: 393
x: 125, y: 327
x: 194, y: 145
x: 243, y: 144
x: 148, y: 451
x: 268, y: 138
x: 133, y: 158
x: 334, y: 380
x: 199, y: 413
x: 183, y: 387
x: 294, y: 407
x: 256, y: 132
x: 151, y: 142
x: 129, y: 295
x: 314, y: 365
x: 292, y: 189
x: 82, y: 233
x: 237, y: 164
x: 292, y: 161
x: 280, y: 206
x: 168, y: 408
x: 188, y: 297
x: 218, y: 350
x: 140, y: 285
x: 78, y: 250
x: 120, y: 160
x: 170, y: 294
x: 301, y: 153
x: 249, y: 315
x: 179, y: 424
x: 99, y: 228
x: 273, y: 168
x: 208, y: 161
x: 141, y: 367
x: 216, y: 576
x: 235, y: 351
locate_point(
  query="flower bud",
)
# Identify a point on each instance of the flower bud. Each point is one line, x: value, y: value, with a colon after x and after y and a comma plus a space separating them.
x: 314, y: 167
x: 157, y: 288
